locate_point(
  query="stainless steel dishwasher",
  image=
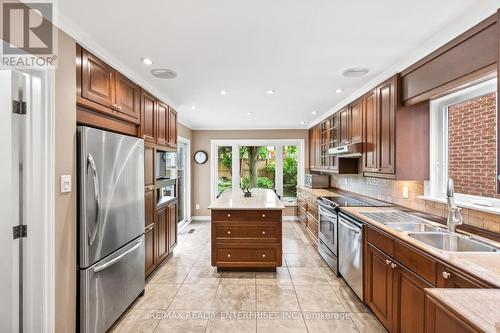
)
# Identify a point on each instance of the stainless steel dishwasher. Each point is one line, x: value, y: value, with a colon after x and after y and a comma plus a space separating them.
x: 350, y: 255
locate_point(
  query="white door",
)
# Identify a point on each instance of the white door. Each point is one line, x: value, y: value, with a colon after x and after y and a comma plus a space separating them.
x: 26, y: 304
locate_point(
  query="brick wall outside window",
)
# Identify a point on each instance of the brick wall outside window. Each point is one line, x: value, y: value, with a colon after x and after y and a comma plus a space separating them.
x: 472, y: 146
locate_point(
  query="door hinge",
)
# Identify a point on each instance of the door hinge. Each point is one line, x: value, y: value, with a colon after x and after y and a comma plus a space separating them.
x: 19, y: 107
x: 20, y: 231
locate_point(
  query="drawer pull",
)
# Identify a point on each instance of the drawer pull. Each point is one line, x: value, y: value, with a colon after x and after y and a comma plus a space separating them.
x: 263, y: 232
x: 387, y: 262
x: 393, y: 265
x: 263, y: 215
x: 228, y: 215
x: 263, y: 255
x: 229, y: 255
x: 229, y: 232
x: 446, y: 275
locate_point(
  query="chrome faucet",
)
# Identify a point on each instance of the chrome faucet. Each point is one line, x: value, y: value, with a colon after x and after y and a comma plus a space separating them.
x: 454, y: 215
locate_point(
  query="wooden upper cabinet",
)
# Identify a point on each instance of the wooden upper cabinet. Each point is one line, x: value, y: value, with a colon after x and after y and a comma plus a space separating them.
x: 162, y: 124
x: 172, y: 128
x: 356, y: 121
x: 344, y: 138
x: 387, y: 101
x: 148, y: 117
x: 314, y: 148
x: 370, y: 132
x: 127, y: 96
x: 98, y: 80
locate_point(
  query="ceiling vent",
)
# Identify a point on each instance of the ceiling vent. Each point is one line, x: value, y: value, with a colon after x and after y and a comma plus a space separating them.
x: 164, y: 73
x: 355, y: 72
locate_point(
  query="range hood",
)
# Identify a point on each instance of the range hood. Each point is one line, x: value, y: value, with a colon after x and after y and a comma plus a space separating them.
x: 353, y: 150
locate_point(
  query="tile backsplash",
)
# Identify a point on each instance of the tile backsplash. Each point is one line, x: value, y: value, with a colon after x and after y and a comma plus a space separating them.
x: 392, y: 191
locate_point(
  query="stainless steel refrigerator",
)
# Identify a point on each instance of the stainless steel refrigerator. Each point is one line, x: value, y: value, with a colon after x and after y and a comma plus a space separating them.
x: 110, y: 226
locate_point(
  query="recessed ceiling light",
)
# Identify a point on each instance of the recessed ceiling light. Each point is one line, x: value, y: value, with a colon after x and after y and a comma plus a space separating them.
x: 147, y: 61
x: 223, y: 92
x: 164, y: 73
x: 270, y: 92
x: 302, y: 122
x: 355, y: 72
x: 249, y: 113
x: 193, y: 107
x: 314, y: 112
x: 339, y: 90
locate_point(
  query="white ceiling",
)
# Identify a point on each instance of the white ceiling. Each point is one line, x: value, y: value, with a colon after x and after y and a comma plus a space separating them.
x: 296, y: 47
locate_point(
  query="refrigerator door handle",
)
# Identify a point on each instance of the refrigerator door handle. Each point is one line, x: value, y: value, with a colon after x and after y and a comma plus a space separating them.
x: 95, y: 179
x: 117, y: 259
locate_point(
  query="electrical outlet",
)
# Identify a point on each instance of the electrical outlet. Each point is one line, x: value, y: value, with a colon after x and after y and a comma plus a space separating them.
x: 406, y: 193
x: 197, y: 206
x: 65, y: 183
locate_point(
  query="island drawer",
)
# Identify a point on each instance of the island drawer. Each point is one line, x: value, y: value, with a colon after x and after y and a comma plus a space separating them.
x: 246, y: 215
x: 247, y: 232
x: 246, y: 255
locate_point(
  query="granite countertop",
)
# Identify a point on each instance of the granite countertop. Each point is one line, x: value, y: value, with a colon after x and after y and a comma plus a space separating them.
x: 485, y: 266
x: 478, y: 306
x: 261, y: 199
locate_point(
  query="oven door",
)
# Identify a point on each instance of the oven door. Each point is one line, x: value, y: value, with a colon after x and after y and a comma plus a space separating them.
x: 327, y: 229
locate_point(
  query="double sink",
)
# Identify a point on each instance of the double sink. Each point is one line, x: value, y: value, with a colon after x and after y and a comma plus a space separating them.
x: 430, y: 233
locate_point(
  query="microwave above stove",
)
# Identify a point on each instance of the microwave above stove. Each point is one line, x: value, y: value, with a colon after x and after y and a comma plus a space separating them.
x: 316, y: 181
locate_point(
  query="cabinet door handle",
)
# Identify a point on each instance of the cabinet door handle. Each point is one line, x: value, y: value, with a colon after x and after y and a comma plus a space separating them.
x: 387, y: 262
x: 263, y: 232
x: 229, y: 232
x: 263, y: 215
x: 229, y: 255
x: 446, y: 275
x: 393, y: 265
x: 228, y: 215
x: 263, y: 255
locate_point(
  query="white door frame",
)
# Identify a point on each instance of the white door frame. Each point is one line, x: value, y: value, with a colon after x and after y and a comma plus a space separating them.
x: 235, y: 144
x: 188, y: 177
x: 38, y: 199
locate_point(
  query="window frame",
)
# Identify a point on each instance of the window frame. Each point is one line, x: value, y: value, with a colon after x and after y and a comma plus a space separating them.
x: 435, y: 187
x: 236, y: 144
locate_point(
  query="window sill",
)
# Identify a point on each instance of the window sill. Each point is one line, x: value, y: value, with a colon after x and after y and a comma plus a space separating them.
x: 464, y: 204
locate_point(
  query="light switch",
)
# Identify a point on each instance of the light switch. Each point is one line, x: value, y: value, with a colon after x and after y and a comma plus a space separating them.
x: 65, y: 183
x: 406, y: 194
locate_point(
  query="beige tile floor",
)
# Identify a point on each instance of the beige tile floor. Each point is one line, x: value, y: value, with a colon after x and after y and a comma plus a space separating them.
x: 186, y: 294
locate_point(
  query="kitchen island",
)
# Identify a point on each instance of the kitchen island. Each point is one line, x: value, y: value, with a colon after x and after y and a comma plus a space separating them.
x: 247, y: 231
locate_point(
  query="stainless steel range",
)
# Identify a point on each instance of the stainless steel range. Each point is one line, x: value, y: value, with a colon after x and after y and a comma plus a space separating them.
x: 329, y: 226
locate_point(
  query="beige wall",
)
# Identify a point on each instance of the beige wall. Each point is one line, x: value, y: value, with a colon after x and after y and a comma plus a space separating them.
x: 184, y: 131
x: 65, y: 204
x: 201, y: 173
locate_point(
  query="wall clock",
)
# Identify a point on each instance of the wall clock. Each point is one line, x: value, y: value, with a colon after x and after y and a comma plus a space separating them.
x: 200, y: 157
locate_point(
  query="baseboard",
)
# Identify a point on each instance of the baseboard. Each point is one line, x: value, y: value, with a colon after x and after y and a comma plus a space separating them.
x: 200, y: 218
x: 290, y: 218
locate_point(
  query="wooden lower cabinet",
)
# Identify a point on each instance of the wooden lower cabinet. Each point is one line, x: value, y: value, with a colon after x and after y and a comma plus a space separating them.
x: 439, y: 319
x: 172, y: 226
x: 246, y: 239
x: 149, y: 252
x: 396, y: 276
x: 379, y: 285
x: 162, y: 233
x: 409, y: 301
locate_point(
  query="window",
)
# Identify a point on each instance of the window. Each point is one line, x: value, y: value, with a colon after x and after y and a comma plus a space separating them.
x: 224, y: 168
x: 272, y: 164
x: 464, y: 146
